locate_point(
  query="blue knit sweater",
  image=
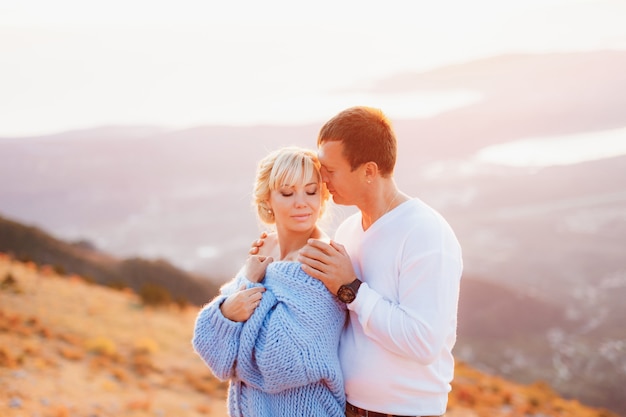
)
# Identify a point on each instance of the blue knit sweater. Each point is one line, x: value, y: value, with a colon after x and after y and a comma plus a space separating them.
x: 283, y: 360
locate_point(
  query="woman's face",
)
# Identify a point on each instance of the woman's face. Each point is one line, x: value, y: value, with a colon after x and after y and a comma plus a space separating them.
x: 297, y: 207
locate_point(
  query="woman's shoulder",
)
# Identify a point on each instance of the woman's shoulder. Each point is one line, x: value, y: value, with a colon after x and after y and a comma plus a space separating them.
x: 289, y: 277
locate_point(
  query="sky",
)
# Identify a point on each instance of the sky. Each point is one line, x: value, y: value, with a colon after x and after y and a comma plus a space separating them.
x: 73, y: 64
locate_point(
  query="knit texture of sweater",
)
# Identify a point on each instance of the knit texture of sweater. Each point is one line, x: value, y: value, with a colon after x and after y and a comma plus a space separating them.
x: 283, y: 361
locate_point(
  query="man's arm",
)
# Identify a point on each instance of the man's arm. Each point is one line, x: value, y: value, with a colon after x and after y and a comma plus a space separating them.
x: 418, y: 323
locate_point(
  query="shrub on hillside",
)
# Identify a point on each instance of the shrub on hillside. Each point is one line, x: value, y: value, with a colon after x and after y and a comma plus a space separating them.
x: 101, y: 346
x: 9, y: 283
x: 7, y: 359
x: 154, y: 295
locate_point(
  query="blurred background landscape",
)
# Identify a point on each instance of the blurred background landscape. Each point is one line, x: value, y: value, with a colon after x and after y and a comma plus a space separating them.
x: 513, y: 127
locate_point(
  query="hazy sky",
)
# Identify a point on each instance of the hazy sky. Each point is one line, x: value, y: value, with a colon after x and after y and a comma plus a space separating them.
x: 68, y: 64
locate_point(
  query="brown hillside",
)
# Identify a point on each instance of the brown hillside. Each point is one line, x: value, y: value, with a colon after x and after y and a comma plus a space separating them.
x: 34, y: 244
x: 70, y: 348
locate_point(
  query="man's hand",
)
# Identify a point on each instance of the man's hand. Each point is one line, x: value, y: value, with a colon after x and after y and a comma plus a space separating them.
x: 329, y: 263
x: 256, y: 266
x: 239, y: 306
x: 256, y: 245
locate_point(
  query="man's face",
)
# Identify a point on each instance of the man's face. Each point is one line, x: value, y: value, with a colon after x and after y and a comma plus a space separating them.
x: 343, y: 183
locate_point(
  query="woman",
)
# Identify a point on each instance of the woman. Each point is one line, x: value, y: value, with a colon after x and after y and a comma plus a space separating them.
x: 277, y: 343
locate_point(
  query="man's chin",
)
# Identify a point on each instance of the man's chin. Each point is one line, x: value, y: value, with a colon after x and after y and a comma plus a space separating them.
x: 338, y: 200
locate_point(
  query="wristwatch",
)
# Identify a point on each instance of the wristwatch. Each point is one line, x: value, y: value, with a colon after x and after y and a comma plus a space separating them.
x: 347, y: 293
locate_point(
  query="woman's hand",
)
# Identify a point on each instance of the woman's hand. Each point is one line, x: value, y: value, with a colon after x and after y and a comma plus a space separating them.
x: 240, y: 305
x: 256, y: 266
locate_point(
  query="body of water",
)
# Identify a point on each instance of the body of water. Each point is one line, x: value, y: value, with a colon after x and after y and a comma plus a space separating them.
x: 556, y: 150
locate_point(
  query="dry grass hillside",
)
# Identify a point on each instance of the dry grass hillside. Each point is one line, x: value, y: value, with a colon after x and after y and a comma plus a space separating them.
x: 71, y: 348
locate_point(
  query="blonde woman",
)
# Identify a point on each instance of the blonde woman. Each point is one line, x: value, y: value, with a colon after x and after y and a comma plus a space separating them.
x: 273, y: 332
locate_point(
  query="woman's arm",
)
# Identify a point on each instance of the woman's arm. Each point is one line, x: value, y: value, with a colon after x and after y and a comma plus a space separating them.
x: 218, y: 325
x: 292, y: 338
x: 216, y: 339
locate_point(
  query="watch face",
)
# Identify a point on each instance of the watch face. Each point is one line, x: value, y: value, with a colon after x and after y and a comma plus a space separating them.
x: 346, y: 294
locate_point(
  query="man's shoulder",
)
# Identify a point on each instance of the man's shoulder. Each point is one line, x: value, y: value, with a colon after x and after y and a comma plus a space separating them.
x: 419, y: 221
x: 422, y: 213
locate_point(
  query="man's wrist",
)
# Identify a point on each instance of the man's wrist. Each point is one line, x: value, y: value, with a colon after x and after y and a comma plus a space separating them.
x: 348, y: 292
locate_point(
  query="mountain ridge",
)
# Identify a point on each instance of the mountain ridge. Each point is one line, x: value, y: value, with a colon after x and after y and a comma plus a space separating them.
x: 30, y: 243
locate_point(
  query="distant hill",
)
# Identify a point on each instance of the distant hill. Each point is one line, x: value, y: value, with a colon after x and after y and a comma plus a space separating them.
x: 29, y: 243
x: 489, y: 312
x: 71, y: 348
x: 527, y: 338
x: 523, y: 95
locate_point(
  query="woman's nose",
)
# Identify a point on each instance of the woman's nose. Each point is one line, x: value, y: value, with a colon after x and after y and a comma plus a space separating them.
x: 299, y: 200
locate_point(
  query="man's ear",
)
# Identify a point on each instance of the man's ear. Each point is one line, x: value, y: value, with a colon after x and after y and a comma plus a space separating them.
x: 370, y: 170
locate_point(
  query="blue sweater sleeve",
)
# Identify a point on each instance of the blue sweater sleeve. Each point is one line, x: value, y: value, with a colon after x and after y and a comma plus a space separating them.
x: 216, y: 338
x: 291, y: 340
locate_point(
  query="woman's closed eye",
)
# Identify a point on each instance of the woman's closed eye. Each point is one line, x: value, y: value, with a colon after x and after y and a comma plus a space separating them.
x: 290, y: 194
x: 312, y: 189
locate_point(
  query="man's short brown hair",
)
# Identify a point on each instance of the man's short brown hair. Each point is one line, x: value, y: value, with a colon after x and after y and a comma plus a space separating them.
x: 367, y: 136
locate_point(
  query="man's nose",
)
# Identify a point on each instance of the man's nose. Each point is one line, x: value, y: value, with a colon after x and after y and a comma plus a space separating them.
x: 323, y: 175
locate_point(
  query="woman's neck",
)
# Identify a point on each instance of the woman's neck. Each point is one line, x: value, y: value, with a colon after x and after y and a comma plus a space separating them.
x: 289, y: 243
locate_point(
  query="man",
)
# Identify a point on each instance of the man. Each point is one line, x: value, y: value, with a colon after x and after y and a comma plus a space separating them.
x: 398, y: 268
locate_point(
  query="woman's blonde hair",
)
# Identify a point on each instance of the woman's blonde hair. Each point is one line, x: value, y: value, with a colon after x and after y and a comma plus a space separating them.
x: 285, y: 167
